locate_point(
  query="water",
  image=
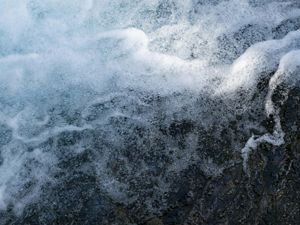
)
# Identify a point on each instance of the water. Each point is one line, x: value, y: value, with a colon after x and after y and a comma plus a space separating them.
x: 95, y: 76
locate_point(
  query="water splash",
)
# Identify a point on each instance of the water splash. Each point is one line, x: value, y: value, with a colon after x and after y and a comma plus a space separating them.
x: 80, y: 73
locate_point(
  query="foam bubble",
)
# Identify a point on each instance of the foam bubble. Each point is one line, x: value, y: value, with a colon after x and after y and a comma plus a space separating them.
x: 60, y: 60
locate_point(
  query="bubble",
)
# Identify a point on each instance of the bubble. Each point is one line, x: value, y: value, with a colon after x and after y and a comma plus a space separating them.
x: 96, y: 82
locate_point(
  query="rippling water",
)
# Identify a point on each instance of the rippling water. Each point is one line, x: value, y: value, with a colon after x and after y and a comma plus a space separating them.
x: 118, y: 90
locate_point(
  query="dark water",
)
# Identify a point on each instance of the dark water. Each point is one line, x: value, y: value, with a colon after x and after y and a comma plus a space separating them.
x: 149, y: 111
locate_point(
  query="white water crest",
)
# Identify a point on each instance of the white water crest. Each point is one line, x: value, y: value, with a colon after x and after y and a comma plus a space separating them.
x: 59, y: 59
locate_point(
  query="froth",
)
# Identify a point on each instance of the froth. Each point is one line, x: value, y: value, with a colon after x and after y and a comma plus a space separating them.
x: 59, y: 58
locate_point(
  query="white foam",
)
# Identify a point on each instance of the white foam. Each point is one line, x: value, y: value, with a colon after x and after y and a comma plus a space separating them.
x: 288, y: 74
x: 260, y: 58
x: 59, y: 56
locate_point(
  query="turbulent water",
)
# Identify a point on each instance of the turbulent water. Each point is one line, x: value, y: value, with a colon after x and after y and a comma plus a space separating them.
x: 107, y: 102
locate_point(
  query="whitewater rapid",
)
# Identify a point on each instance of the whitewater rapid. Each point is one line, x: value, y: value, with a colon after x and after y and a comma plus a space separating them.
x: 84, y: 66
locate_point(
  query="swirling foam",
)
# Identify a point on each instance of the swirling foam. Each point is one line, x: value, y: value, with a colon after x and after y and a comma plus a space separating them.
x: 61, y: 57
